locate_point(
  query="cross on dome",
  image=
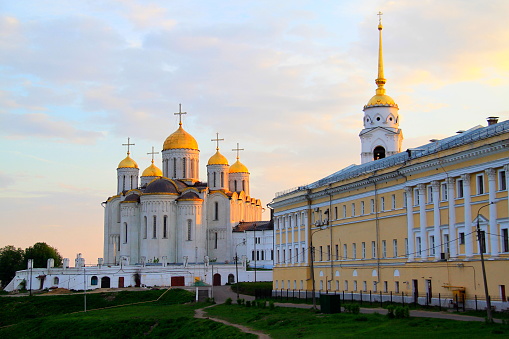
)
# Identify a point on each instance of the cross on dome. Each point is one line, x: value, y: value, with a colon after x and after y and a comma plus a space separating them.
x: 128, y: 144
x: 153, y: 153
x: 180, y: 113
x: 217, y: 140
x: 238, y: 149
x: 380, y: 17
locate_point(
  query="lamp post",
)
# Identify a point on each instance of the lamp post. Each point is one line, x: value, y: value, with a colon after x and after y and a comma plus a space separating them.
x: 236, y: 265
x: 255, y: 254
x: 312, y: 261
x: 481, y: 250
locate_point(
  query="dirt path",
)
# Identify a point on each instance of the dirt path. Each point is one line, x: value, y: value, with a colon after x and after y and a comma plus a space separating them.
x: 201, y: 314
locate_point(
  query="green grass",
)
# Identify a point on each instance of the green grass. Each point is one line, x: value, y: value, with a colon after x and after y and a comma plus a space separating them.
x: 284, y: 322
x: 164, y: 318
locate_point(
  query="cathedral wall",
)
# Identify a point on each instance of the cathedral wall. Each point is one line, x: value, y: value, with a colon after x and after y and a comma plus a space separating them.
x: 175, y: 167
x: 190, y: 232
x: 219, y: 227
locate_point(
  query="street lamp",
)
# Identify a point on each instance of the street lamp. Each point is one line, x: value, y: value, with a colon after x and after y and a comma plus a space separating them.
x: 481, y: 250
x: 236, y: 265
x: 322, y: 227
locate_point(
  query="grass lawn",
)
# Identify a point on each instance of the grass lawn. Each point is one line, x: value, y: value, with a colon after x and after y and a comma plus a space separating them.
x: 284, y: 322
x: 44, y: 318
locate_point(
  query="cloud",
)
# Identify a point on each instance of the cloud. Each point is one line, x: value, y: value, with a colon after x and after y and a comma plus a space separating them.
x: 41, y: 125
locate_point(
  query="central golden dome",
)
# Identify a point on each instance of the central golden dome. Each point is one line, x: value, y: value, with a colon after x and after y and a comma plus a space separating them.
x: 381, y: 100
x: 128, y: 162
x: 218, y: 159
x: 238, y: 167
x: 152, y: 171
x: 180, y: 139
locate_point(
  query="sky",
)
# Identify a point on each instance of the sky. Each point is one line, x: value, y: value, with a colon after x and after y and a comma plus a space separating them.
x: 287, y: 80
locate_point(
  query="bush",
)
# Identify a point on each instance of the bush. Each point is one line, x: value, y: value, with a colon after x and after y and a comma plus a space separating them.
x: 390, y: 311
x: 248, y: 303
x: 271, y: 305
x: 401, y: 312
x: 239, y: 301
x: 228, y: 301
x: 210, y: 301
x: 352, y: 308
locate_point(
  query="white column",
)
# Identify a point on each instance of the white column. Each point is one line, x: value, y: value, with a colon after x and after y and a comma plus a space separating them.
x: 306, y: 236
x: 287, y: 247
x: 468, y: 215
x: 292, y: 239
x: 436, y: 218
x: 410, y: 222
x: 299, y: 235
x: 492, y: 174
x: 453, y: 244
x: 422, y: 221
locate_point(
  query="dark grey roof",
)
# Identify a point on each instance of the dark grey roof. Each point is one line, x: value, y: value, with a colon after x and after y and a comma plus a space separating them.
x: 254, y: 226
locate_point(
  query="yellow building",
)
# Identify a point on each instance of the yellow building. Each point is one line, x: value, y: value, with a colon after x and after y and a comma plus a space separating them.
x: 402, y: 223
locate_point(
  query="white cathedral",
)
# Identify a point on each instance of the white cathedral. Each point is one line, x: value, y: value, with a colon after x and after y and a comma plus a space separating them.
x: 172, y: 217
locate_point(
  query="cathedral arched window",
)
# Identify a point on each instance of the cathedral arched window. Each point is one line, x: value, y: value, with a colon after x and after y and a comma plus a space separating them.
x: 189, y: 229
x: 235, y: 185
x: 125, y: 233
x: 216, y: 210
x: 154, y: 229
x: 215, y: 240
x: 165, y: 226
x: 184, y: 165
x: 222, y: 179
x: 244, y: 185
x: 192, y: 167
x: 56, y: 281
x: 94, y: 280
x: 214, y: 181
x: 174, y: 168
x: 378, y: 153
x: 123, y: 183
x: 145, y: 230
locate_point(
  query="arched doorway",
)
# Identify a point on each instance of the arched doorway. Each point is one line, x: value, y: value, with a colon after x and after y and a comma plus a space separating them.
x: 217, y: 280
x: 231, y: 279
x: 378, y: 153
x: 105, y: 282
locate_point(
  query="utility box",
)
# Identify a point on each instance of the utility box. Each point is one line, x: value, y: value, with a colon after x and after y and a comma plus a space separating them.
x: 459, y: 294
x: 330, y: 303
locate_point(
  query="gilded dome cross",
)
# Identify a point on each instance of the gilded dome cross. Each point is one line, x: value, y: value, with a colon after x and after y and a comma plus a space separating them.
x: 238, y: 149
x: 217, y: 140
x: 128, y: 144
x: 153, y: 153
x: 180, y: 113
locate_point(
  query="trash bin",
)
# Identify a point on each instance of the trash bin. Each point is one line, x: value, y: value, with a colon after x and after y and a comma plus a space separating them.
x: 330, y: 303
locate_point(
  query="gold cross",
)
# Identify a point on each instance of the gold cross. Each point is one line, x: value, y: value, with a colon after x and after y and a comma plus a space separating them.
x: 380, y: 17
x: 153, y: 153
x: 217, y: 140
x: 237, y: 149
x: 128, y: 144
x: 180, y: 113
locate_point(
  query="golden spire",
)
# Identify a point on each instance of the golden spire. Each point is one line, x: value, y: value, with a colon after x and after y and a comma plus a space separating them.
x: 380, y: 81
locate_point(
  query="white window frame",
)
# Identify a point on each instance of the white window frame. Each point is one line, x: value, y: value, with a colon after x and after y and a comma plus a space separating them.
x: 479, y: 184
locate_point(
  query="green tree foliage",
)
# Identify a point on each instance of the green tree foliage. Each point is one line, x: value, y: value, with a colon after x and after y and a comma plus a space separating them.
x: 41, y: 252
x: 11, y: 260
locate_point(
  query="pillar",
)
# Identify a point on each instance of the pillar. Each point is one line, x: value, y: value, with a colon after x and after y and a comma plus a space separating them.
x: 453, y: 244
x: 410, y: 222
x: 468, y: 215
x: 422, y: 220
x: 436, y: 218
x: 492, y: 174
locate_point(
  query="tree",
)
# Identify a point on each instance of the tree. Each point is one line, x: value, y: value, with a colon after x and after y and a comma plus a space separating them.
x: 41, y: 252
x: 11, y: 260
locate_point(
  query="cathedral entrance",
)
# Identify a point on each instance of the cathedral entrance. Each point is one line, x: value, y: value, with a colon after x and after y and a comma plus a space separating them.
x: 217, y: 280
x: 177, y: 281
x: 105, y: 282
x: 120, y: 282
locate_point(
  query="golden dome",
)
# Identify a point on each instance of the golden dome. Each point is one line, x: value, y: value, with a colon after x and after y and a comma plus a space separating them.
x: 128, y: 162
x: 238, y: 167
x: 381, y: 100
x: 180, y: 139
x: 218, y: 159
x: 152, y: 171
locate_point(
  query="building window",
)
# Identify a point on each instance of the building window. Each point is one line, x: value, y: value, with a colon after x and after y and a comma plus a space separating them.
x: 386, y: 287
x: 244, y: 185
x: 271, y: 254
x: 505, y: 240
x: 189, y: 229
x: 459, y: 188
x: 235, y: 185
x: 354, y: 251
x: 444, y: 195
x: 372, y: 203
x: 364, y: 286
x: 384, y: 249
x: 416, y: 197
x: 346, y: 285
x: 406, y: 246
x: 373, y: 249
x: 94, y: 281
x: 382, y: 203
x: 480, y: 183
x: 56, y: 280
x: 215, y: 241
x: 174, y: 168
x: 430, y: 194
x: 222, y: 179
x: 145, y: 230
x: 418, y: 241
x: 396, y: 286
x: 303, y: 254
x: 395, y: 247
x: 165, y: 226
x: 362, y: 208
x: 184, y: 165
x: 337, y: 252
x: 214, y: 179
x: 462, y: 238
x: 125, y: 233
x: 336, y: 212
x: 432, y: 245
x: 353, y: 209
x: 446, y: 243
x: 321, y: 253
x: 328, y: 252
x: 374, y: 285
x: 344, y: 211
x: 502, y: 181
x: 363, y: 250
x: 296, y: 255
x: 345, y: 251
x: 216, y: 210
x: 154, y: 228
x: 393, y: 201
x: 404, y: 199
x: 483, y: 241
x: 355, y: 285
